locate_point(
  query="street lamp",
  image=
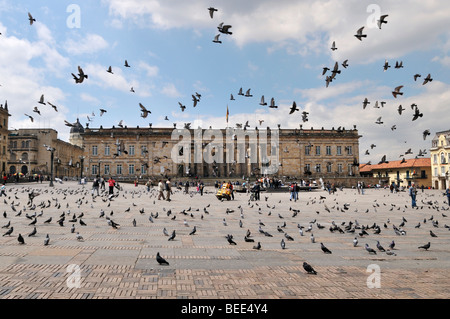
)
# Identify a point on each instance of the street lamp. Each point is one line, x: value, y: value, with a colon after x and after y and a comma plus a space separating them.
x: 52, y: 151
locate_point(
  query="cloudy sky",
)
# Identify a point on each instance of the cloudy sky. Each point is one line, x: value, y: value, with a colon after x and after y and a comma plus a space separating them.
x: 277, y: 49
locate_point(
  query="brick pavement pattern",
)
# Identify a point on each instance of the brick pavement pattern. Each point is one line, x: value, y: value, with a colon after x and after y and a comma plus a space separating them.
x: 121, y: 263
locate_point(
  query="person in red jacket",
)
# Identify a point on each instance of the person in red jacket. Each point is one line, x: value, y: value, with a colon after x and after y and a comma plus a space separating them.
x: 111, y: 184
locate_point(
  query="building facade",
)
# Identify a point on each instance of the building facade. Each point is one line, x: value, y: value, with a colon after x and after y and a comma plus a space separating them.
x: 156, y: 152
x: 27, y: 154
x: 4, y: 117
x: 403, y: 172
x: 440, y: 159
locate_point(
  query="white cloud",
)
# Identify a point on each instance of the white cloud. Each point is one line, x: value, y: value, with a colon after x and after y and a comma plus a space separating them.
x: 91, y: 43
x: 170, y: 90
x: 150, y: 70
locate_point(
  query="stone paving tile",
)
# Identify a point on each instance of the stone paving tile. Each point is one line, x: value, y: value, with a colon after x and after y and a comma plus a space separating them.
x: 121, y: 264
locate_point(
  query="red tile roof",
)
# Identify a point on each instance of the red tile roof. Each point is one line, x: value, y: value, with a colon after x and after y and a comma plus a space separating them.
x: 410, y: 163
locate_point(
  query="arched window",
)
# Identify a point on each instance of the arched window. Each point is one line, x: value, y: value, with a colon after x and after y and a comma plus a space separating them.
x: 24, y: 157
x: 443, y: 158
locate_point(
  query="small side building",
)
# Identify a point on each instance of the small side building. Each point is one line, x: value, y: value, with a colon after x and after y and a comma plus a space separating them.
x: 403, y: 172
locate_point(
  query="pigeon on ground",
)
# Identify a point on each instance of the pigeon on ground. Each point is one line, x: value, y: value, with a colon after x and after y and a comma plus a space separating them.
x: 161, y: 260
x: 46, y: 240
x: 370, y: 250
x: 20, y: 239
x: 426, y: 246
x: 309, y: 269
x: 325, y: 249
x: 172, y: 237
x: 257, y: 246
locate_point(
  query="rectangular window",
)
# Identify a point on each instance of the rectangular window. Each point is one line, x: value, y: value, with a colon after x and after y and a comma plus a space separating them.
x: 131, y: 169
x: 143, y: 150
x: 339, y: 168
x: 350, y: 169
x: 435, y: 171
x: 338, y: 150
x: 435, y: 159
x: 94, y: 169
x: 328, y: 150
x: 317, y: 150
x: 328, y: 168
x: 119, y: 169
x: 94, y: 150
x: 307, y: 149
x: 442, y: 170
x: 143, y: 169
x: 307, y: 168
x: 106, y: 169
x: 107, y: 150
x: 318, y: 168
x: 131, y: 150
x: 349, y: 150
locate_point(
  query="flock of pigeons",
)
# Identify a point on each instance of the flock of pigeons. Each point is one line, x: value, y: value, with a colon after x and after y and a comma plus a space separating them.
x: 57, y: 212
x: 416, y: 114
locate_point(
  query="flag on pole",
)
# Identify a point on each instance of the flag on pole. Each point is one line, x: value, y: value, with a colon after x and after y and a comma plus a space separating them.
x: 228, y: 113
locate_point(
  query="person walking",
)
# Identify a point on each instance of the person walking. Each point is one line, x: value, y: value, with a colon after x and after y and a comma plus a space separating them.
x: 186, y: 187
x: 292, y: 192
x: 111, y: 184
x: 447, y: 192
x: 168, y: 190
x: 96, y: 186
x: 102, y: 183
x: 3, y: 190
x: 413, y: 193
x: 257, y: 190
x: 161, y: 188
x: 200, y: 187
x: 148, y: 184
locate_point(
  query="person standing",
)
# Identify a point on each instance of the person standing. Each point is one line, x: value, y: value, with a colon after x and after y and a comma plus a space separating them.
x: 161, y: 190
x: 96, y: 185
x: 148, y: 184
x: 257, y: 190
x: 292, y: 192
x: 200, y: 187
x: 413, y: 193
x: 111, y: 184
x: 3, y: 190
x: 168, y: 189
x: 186, y: 187
x: 447, y: 192
x: 102, y: 183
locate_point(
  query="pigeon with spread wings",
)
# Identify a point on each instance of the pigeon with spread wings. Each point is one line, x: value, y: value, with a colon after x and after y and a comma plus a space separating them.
x: 397, y: 91
x: 144, y: 111
x: 31, y: 19
x: 293, y: 108
x: 382, y: 20
x: 359, y: 34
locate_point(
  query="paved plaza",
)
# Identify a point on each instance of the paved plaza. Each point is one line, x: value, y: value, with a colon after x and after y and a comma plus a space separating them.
x: 121, y: 263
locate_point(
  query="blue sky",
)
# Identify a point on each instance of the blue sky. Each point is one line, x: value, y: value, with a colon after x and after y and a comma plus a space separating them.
x: 277, y: 49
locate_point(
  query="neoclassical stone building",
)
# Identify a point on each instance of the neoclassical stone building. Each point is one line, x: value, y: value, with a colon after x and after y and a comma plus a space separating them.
x: 27, y: 154
x: 140, y: 152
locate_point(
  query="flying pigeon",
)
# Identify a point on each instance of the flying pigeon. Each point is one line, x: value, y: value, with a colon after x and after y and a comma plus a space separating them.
x: 382, y: 20
x: 397, y: 91
x: 211, y: 11
x: 359, y: 35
